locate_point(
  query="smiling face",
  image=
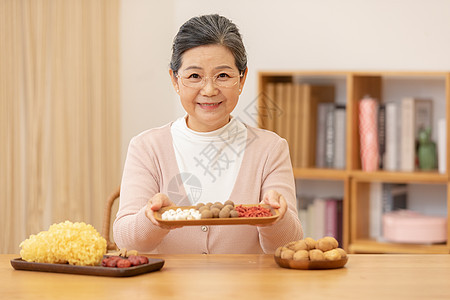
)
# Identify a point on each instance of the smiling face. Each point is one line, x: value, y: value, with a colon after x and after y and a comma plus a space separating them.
x: 208, y: 107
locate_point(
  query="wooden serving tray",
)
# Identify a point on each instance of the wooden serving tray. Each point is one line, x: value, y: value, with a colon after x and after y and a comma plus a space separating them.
x: 218, y: 221
x: 311, y: 265
x: 154, y: 264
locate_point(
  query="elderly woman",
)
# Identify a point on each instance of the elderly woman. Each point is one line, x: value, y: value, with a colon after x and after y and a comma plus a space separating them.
x: 206, y: 156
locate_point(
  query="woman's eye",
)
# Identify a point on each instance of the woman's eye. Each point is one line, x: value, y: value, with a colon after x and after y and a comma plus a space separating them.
x: 194, y: 76
x: 223, y: 75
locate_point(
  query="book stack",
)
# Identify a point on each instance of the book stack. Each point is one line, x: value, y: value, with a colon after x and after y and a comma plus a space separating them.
x: 396, y: 127
x: 321, y: 217
x: 290, y: 109
x: 330, y: 137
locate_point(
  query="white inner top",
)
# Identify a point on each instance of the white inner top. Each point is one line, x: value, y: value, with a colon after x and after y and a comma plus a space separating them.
x: 209, y: 162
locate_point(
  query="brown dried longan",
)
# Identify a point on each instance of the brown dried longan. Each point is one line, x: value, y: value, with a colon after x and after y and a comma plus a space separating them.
x: 230, y: 207
x: 206, y: 214
x: 310, y: 242
x: 301, y: 255
x: 327, y: 243
x: 234, y: 214
x: 217, y: 205
x: 200, y: 204
x: 342, y: 252
x: 229, y: 202
x: 332, y: 255
x: 202, y: 208
x: 224, y: 213
x: 215, y: 211
x: 316, y: 254
x: 291, y: 245
x: 278, y: 251
x: 287, y: 254
x: 300, y: 245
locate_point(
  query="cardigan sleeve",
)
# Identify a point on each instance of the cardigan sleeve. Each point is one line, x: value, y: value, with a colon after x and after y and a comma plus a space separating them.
x: 132, y: 229
x: 278, y: 176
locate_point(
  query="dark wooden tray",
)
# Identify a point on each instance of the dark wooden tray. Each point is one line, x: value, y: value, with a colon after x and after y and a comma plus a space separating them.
x: 311, y: 265
x: 154, y: 264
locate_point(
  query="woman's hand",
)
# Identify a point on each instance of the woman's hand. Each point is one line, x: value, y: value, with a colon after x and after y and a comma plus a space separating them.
x: 156, y: 203
x: 277, y: 201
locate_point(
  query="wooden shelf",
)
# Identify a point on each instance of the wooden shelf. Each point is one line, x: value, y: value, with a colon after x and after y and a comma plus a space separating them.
x: 370, y: 246
x: 403, y: 177
x: 351, y: 87
x: 324, y: 174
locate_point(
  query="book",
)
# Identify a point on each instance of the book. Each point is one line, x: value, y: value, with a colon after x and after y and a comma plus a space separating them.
x: 303, y: 217
x: 297, y: 107
x: 321, y: 132
x: 391, y: 153
x: 333, y: 218
x: 395, y: 197
x: 319, y: 218
x: 310, y: 211
x: 288, y: 118
x: 329, y: 137
x: 376, y: 210
x: 442, y: 145
x: 312, y: 96
x: 339, y: 137
x: 381, y: 127
x: 280, y: 115
x: 415, y: 115
x: 368, y: 133
x: 267, y: 108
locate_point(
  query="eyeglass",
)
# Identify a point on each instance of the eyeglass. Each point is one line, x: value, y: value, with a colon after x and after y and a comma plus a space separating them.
x: 223, y: 79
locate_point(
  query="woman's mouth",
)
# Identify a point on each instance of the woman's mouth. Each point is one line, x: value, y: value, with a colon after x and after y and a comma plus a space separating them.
x: 209, y: 106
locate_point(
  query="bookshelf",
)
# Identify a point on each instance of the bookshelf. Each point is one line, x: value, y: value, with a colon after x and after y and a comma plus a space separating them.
x: 349, y: 88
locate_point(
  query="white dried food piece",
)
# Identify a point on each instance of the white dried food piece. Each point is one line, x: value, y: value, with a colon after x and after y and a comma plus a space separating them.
x: 181, y: 214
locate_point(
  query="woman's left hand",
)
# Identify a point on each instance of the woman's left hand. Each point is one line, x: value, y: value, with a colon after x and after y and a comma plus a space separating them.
x: 277, y: 201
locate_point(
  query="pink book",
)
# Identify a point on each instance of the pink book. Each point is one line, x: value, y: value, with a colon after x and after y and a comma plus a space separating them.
x: 331, y: 218
x: 368, y: 134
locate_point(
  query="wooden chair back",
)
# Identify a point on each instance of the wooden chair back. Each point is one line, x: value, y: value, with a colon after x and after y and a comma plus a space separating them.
x: 107, y: 219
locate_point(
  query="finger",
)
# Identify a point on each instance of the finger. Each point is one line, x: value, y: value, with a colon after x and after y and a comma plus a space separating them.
x: 272, y: 198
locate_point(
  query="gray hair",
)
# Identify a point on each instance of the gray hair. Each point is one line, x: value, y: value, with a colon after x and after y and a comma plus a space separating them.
x: 207, y: 30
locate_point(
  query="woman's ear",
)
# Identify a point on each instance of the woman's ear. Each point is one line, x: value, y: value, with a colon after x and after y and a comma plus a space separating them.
x: 174, y: 79
x: 242, y: 81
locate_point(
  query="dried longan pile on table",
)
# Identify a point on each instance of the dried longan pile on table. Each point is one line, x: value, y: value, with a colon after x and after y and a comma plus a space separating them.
x: 308, y: 249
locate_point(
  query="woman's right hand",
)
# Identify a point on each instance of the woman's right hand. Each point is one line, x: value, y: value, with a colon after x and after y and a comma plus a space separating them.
x: 156, y: 203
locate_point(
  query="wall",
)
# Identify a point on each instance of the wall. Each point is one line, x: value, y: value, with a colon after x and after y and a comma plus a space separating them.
x: 147, y: 96
x: 283, y: 34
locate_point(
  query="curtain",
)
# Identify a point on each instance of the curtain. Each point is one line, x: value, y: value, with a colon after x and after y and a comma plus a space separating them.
x: 59, y: 114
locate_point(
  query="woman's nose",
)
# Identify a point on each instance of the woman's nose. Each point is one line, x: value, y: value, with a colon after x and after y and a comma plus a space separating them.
x: 210, y: 88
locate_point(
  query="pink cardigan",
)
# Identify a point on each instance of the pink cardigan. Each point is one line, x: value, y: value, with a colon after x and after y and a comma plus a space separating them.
x: 150, y: 168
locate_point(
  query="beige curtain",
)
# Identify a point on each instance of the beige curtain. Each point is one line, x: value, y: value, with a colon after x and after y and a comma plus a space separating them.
x: 59, y: 114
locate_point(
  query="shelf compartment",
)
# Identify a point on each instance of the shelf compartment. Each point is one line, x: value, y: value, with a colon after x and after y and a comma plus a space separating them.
x: 323, y: 174
x: 371, y: 246
x: 401, y: 177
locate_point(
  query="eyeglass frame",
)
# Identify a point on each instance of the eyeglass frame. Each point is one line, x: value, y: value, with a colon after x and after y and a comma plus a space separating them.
x: 214, y: 81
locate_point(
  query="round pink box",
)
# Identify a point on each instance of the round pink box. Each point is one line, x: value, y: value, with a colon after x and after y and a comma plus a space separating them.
x: 405, y: 226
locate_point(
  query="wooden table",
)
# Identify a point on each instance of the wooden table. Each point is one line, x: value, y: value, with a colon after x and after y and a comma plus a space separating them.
x: 243, y: 277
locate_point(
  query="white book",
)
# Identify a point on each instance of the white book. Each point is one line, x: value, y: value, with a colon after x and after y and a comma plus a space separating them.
x: 339, y: 141
x: 310, y: 221
x: 303, y: 216
x: 442, y: 145
x: 392, y: 151
x: 376, y: 210
x: 319, y: 218
x: 416, y: 114
x: 407, y: 139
